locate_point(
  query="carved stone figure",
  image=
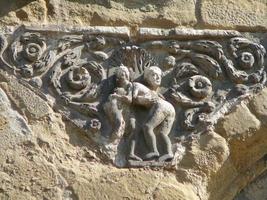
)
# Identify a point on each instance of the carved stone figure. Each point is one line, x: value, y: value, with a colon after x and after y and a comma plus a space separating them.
x: 113, y: 107
x: 123, y: 94
x: 161, y: 113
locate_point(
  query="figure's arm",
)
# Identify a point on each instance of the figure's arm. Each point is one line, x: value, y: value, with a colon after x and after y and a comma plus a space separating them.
x: 185, y: 101
x: 144, y: 100
x: 126, y: 98
x: 142, y: 96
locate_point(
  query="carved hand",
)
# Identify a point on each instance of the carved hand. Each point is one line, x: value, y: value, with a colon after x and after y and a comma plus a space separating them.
x: 123, y: 98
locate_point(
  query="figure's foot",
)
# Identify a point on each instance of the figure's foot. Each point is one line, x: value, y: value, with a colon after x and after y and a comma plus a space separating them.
x: 151, y: 156
x: 166, y: 158
x: 134, y: 157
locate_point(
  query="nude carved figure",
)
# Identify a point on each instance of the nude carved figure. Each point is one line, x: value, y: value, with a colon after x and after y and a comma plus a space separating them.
x: 161, y: 113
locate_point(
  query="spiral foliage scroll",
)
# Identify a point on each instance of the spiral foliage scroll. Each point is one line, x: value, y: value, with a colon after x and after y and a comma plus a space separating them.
x: 202, y: 79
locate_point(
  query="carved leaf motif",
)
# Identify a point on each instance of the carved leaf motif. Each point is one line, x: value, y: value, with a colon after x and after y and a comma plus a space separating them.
x: 211, y: 48
x: 184, y: 70
x: 100, y: 56
x: 79, y: 83
x: 41, y: 64
x: 67, y: 41
x: 208, y: 65
x: 246, y: 70
x: 193, y: 119
x: 135, y: 58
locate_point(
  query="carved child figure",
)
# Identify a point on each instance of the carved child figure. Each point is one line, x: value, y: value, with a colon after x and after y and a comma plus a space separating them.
x: 161, y: 114
x: 113, y: 107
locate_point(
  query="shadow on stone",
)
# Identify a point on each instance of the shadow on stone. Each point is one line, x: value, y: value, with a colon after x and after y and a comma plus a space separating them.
x: 12, y: 5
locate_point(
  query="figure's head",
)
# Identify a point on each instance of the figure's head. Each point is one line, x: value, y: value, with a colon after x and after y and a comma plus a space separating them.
x: 152, y: 76
x: 122, y: 74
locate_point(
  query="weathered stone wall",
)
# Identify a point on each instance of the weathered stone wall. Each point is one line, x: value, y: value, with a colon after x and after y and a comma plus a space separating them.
x: 243, y: 15
x: 45, y: 156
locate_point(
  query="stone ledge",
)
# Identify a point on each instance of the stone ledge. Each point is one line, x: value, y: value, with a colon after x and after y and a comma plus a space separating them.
x: 124, y: 31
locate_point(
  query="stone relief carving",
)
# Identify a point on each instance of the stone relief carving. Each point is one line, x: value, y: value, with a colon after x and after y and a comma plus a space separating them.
x: 137, y: 97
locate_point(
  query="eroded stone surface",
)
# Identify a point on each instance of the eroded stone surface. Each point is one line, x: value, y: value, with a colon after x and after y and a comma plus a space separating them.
x: 11, y: 120
x: 33, y: 106
x: 255, y: 190
x: 66, y: 164
x: 58, y: 160
x: 258, y: 105
x: 233, y: 127
x: 28, y: 11
x: 240, y: 14
x: 169, y: 13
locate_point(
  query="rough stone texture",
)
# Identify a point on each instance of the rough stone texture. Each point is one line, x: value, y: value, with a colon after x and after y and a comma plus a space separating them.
x: 246, y: 136
x: 26, y: 11
x: 241, y: 14
x: 45, y: 157
x: 256, y: 190
x: 11, y: 120
x: 57, y: 161
x: 238, y: 14
x: 259, y: 106
x: 233, y: 127
x: 31, y: 105
x: 169, y: 13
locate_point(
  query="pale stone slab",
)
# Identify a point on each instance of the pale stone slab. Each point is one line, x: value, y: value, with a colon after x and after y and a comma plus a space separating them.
x: 234, y: 127
x: 167, y: 14
x: 189, y: 33
x: 241, y: 14
x: 112, y: 30
x: 258, y: 105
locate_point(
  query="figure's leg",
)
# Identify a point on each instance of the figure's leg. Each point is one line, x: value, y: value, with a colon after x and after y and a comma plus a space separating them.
x: 115, y: 117
x: 164, y: 132
x: 154, y: 119
x: 133, y: 140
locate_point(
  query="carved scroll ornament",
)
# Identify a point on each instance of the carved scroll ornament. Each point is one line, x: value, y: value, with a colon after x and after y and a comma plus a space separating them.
x: 136, y: 96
